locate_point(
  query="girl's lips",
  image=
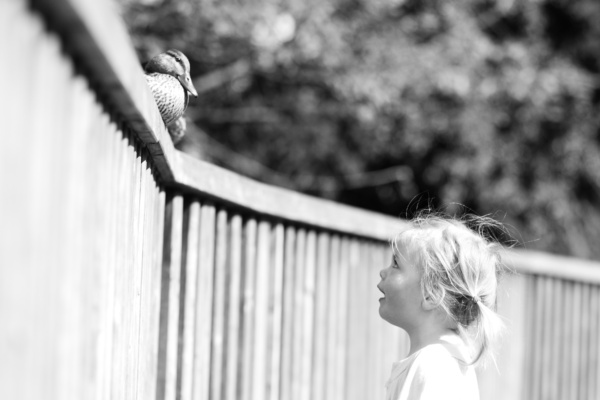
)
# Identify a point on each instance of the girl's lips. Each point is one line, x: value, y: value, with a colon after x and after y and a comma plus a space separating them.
x: 382, y: 298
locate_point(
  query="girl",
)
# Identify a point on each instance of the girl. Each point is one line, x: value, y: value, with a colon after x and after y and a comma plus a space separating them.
x: 440, y: 287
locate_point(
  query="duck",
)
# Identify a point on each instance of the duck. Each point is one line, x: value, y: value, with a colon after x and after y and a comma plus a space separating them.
x: 168, y: 76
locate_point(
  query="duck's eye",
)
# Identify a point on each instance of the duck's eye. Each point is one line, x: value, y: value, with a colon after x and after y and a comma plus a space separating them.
x: 178, y: 59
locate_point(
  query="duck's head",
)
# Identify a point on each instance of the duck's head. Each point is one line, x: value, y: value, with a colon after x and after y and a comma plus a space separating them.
x: 175, y: 63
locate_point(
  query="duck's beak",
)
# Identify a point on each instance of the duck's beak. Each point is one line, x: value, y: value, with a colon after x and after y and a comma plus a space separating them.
x: 186, y: 81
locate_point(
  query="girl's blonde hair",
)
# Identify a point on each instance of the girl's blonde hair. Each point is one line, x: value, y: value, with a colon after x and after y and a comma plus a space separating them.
x: 461, y: 264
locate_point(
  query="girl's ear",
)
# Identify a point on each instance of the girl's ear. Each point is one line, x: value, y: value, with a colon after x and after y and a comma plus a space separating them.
x: 428, y: 304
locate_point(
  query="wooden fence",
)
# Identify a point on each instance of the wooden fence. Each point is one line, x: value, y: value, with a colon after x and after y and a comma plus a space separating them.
x: 129, y: 270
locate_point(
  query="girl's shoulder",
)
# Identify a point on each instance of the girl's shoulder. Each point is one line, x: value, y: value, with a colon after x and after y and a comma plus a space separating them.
x: 440, y: 371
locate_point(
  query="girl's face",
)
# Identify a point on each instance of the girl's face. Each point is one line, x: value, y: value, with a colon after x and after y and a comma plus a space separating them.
x: 400, y: 283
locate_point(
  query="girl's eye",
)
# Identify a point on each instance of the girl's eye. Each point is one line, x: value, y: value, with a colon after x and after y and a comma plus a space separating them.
x: 394, y: 263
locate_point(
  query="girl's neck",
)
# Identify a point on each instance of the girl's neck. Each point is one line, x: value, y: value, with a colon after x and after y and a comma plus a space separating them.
x: 422, y: 338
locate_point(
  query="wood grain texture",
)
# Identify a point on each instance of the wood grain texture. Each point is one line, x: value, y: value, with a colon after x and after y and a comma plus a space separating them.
x: 219, y: 306
x: 248, y: 317
x: 276, y: 311
x: 268, y: 200
x: 188, y: 303
x: 170, y: 299
x: 234, y: 315
x: 288, y: 331
x: 203, y: 307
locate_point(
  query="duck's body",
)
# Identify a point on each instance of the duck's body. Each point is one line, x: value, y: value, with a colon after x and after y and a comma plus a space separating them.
x: 171, y: 98
x: 168, y: 75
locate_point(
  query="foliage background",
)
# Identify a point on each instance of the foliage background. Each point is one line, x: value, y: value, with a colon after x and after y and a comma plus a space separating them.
x: 391, y: 105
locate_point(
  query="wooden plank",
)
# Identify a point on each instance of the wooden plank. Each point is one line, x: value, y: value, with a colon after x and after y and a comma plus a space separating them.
x: 538, y: 336
x: 234, y: 323
x: 78, y: 141
x: 385, y: 347
x: 335, y: 321
x: 245, y: 193
x: 356, y: 336
x: 373, y: 376
x: 575, y: 341
x: 308, y: 310
x: 19, y: 31
x: 529, y: 327
x: 276, y: 310
x: 547, y: 351
x: 594, y: 371
x: 538, y: 263
x: 341, y: 362
x: 151, y: 290
x: 170, y: 292
x: 298, y: 343
x: 249, y: 269
x: 567, y: 341
x: 204, y: 304
x: 218, y: 312
x: 584, y: 349
x: 325, y: 313
x: 189, y: 271
x: 288, y: 332
x: 557, y: 315
x: 261, y: 312
x: 148, y: 384
x: 140, y: 206
x: 594, y: 349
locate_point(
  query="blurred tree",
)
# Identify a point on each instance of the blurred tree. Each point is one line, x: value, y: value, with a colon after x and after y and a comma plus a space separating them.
x: 491, y: 104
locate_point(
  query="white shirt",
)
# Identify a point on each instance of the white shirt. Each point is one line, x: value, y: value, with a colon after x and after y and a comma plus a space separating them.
x: 437, y: 371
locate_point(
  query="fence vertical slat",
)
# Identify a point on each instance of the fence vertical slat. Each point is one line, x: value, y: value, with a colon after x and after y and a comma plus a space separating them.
x: 332, y: 319
x: 385, y: 348
x: 218, y: 311
x: 342, y: 255
x: 191, y: 226
x: 288, y: 332
x: 594, y: 370
x: 557, y: 316
x: 308, y: 307
x: 261, y: 312
x: 232, y: 354
x: 67, y: 278
x: 546, y: 335
x: 575, y: 311
x: 584, y: 332
x: 151, y: 290
x: 567, y: 345
x: 105, y: 339
x: 537, y: 343
x: 298, y: 342
x: 276, y: 309
x: 249, y: 274
x: 357, y: 332
x: 170, y: 292
x: 374, y: 325
x: 139, y: 205
x: 204, y: 303
x: 324, y: 309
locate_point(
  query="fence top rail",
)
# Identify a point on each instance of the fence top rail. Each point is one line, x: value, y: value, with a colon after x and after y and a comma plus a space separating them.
x: 95, y: 37
x: 550, y: 265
